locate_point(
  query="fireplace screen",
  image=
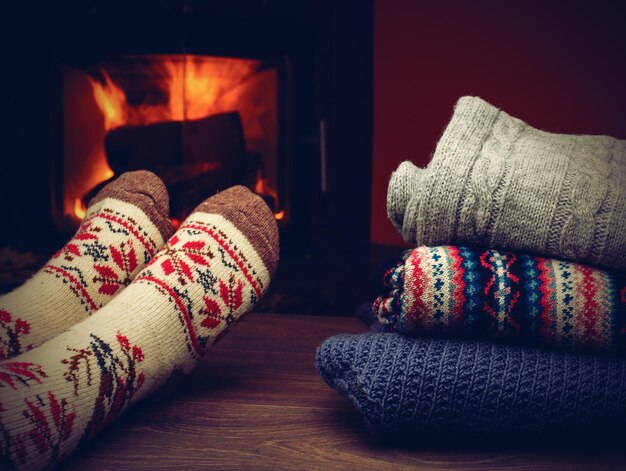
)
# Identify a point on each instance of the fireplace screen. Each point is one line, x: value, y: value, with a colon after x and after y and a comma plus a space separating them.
x: 201, y: 123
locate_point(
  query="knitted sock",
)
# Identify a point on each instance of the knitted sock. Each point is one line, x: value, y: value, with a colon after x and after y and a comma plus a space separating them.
x: 211, y: 271
x: 126, y: 223
x: 497, y: 182
x: 420, y: 389
x: 460, y: 291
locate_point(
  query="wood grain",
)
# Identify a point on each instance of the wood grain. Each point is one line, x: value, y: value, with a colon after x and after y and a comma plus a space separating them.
x: 257, y: 402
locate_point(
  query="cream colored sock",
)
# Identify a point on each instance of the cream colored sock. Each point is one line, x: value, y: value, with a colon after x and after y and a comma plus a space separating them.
x: 126, y: 223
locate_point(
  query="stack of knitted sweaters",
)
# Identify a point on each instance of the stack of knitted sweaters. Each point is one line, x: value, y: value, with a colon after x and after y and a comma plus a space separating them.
x: 508, y: 317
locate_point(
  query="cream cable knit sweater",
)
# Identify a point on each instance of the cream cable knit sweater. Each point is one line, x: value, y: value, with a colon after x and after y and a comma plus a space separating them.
x: 495, y: 181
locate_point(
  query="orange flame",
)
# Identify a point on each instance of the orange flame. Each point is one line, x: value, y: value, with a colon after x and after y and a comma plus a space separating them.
x: 111, y: 100
x: 263, y: 189
x: 104, y: 173
x: 79, y: 208
x: 196, y: 87
x: 191, y: 87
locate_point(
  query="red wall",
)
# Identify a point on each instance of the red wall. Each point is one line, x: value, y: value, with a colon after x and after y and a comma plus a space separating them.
x: 559, y: 65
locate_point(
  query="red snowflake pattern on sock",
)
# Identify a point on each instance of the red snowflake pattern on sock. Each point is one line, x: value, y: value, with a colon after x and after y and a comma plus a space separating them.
x: 202, y: 256
x: 118, y: 273
x: 179, y: 256
x: 86, y: 232
x: 92, y: 250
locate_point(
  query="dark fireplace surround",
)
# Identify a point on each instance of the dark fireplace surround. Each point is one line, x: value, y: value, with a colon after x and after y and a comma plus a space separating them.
x: 322, y: 51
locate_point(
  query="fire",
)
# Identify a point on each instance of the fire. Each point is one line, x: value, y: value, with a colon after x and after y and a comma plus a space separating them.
x: 261, y: 188
x: 79, y: 208
x: 104, y: 174
x: 195, y: 87
x: 111, y: 100
x: 176, y: 88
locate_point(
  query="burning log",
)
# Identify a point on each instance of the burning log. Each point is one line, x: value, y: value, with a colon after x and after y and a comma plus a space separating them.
x: 179, y: 145
x: 194, y: 158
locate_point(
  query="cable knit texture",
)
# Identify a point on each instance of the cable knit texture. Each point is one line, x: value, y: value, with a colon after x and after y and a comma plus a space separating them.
x: 496, y: 181
x: 414, y: 388
x: 515, y: 297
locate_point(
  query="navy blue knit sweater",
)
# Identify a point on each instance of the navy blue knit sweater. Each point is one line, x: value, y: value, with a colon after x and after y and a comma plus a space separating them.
x: 446, y: 388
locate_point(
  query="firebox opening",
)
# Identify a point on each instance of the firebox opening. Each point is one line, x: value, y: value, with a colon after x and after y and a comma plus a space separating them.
x: 202, y: 123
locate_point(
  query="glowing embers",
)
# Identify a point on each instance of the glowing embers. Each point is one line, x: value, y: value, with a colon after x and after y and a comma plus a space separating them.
x: 199, y: 122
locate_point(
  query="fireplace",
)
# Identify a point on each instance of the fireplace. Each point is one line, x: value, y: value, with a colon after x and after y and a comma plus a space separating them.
x: 202, y: 123
x: 289, y: 116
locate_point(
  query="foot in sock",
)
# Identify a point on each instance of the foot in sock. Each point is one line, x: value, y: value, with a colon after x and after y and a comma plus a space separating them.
x: 426, y: 389
x: 497, y: 182
x: 126, y: 223
x: 211, y: 272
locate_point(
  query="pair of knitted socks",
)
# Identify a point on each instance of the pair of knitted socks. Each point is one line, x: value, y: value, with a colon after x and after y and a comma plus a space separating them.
x: 496, y: 182
x: 120, y: 308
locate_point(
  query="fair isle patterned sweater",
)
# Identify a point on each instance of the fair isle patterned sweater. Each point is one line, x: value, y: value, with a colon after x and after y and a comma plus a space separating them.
x: 515, y: 297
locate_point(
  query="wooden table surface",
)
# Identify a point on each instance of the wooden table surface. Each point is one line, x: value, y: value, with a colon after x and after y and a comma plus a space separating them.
x: 257, y: 402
